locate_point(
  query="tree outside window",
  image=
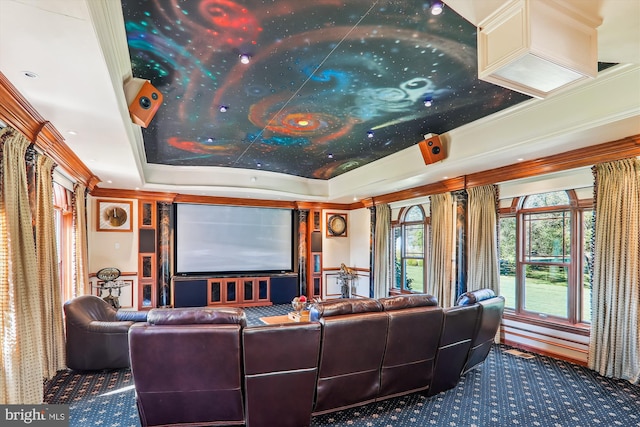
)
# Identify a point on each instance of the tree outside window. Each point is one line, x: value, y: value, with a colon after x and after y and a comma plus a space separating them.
x: 409, y: 237
x: 540, y: 273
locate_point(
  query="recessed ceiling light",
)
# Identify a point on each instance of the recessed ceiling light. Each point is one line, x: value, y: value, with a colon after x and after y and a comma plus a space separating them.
x: 445, y: 177
x: 109, y: 181
x: 370, y: 134
x: 254, y: 179
x: 330, y: 155
x: 428, y: 101
x: 224, y: 108
x: 29, y: 74
x: 72, y: 132
x: 245, y: 58
x: 520, y: 159
x: 437, y: 7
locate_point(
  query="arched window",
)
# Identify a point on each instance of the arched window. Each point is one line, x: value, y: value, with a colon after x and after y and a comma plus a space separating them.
x: 410, y: 241
x: 544, y: 250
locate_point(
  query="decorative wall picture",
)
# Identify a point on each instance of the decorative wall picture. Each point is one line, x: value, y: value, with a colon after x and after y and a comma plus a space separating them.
x: 114, y: 215
x: 336, y: 224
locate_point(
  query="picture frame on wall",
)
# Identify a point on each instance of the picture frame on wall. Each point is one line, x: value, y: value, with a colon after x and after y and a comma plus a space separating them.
x: 336, y: 224
x: 114, y: 215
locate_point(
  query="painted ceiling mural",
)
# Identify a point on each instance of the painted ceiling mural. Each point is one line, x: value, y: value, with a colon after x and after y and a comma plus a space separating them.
x: 329, y: 85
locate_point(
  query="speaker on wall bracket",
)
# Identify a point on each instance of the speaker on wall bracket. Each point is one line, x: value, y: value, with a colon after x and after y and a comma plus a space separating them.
x: 143, y: 99
x: 432, y: 149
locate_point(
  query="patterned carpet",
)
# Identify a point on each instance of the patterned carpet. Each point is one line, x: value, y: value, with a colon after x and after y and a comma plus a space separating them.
x: 506, y: 390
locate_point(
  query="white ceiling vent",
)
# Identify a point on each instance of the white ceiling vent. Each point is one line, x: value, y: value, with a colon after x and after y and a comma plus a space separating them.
x: 537, y: 46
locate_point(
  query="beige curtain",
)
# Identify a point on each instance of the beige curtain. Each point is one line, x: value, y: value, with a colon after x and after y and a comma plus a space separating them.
x: 20, y: 293
x: 441, y: 283
x: 483, y: 271
x: 80, y: 249
x: 614, y: 348
x: 382, y: 261
x: 48, y: 277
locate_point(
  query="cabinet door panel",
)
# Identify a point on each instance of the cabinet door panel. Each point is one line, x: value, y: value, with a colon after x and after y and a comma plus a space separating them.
x: 231, y: 291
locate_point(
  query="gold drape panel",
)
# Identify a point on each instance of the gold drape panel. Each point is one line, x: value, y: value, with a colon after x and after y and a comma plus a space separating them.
x: 48, y: 277
x: 483, y: 271
x: 443, y: 228
x: 614, y: 348
x: 20, y: 320
x: 382, y: 266
x: 80, y: 248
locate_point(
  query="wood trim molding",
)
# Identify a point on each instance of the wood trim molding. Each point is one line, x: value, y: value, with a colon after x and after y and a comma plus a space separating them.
x: 537, y: 350
x: 18, y: 113
x: 609, y: 151
x: 588, y: 156
x: 572, y: 329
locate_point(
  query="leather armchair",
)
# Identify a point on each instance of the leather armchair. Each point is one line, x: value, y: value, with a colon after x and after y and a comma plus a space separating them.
x: 96, y: 334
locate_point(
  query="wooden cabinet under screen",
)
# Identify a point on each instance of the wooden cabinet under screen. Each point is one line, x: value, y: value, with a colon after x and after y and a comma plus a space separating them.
x: 239, y: 291
x: 255, y: 290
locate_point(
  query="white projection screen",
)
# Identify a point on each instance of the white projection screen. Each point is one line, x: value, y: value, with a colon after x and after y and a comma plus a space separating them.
x: 232, y: 239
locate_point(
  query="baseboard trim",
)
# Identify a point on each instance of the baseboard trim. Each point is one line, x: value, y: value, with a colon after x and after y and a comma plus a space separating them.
x: 536, y: 350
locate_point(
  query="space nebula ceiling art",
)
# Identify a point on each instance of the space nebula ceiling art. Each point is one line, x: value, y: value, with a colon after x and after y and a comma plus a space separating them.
x: 312, y: 88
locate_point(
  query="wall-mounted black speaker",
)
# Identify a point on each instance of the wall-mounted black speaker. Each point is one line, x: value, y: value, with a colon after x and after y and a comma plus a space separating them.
x: 316, y: 241
x: 147, y: 242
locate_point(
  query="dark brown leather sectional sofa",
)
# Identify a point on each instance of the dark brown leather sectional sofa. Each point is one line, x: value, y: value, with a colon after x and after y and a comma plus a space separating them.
x: 204, y: 366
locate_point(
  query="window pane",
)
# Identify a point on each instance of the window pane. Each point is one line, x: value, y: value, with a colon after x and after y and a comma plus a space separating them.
x: 547, y: 237
x: 556, y: 198
x: 508, y: 260
x: 415, y: 275
x: 414, y: 235
x: 397, y: 257
x: 546, y: 289
x: 586, y: 269
x: 414, y: 214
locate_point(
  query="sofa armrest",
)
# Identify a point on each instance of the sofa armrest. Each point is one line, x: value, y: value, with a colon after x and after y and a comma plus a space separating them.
x: 102, y: 327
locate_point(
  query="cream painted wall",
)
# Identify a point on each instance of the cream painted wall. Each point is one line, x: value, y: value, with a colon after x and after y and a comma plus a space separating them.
x: 336, y: 250
x: 360, y: 238
x: 352, y: 250
x: 113, y: 249
x: 109, y: 248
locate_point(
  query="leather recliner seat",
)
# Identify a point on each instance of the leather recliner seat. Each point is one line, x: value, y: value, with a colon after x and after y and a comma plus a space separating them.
x: 491, y: 311
x: 354, y: 336
x: 280, y: 371
x: 187, y: 366
x: 415, y: 322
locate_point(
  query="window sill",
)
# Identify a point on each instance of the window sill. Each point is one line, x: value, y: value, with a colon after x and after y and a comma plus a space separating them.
x: 583, y: 329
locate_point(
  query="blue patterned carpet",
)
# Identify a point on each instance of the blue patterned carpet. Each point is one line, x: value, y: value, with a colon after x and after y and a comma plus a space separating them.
x: 504, y: 391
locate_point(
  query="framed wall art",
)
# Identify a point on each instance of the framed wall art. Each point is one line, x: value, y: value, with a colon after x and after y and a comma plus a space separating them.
x: 114, y: 215
x: 336, y: 224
